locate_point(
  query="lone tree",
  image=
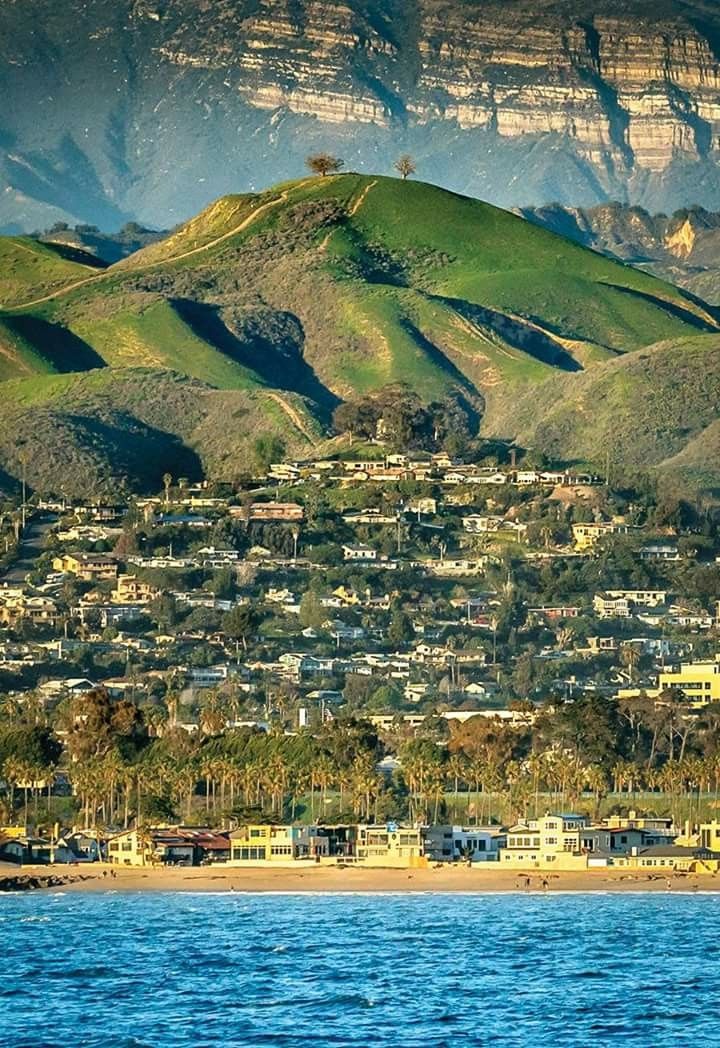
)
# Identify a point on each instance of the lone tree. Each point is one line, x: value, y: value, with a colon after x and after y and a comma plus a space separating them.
x: 324, y: 164
x: 405, y: 166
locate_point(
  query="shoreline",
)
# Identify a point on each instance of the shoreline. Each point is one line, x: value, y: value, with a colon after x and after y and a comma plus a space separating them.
x: 477, y: 879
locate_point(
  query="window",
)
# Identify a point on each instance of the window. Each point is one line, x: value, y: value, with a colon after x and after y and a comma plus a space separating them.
x: 248, y: 854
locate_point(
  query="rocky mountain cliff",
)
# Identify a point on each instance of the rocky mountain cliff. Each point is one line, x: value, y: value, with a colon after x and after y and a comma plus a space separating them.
x: 147, y: 109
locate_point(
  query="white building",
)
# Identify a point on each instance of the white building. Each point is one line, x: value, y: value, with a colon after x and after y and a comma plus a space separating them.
x: 464, y: 843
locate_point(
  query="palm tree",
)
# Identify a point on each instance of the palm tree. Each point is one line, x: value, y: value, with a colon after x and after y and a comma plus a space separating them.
x: 365, y: 787
x: 595, y: 779
x: 183, y: 786
x: 276, y: 775
x: 13, y: 770
x: 457, y: 772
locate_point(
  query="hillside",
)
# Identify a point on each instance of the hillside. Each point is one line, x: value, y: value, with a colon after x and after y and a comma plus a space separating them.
x: 106, y: 430
x: 135, y: 109
x: 30, y: 268
x: 323, y: 289
x: 105, y: 247
x: 655, y: 408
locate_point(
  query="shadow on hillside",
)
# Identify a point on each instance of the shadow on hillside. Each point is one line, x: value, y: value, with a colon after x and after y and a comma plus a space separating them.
x: 59, y: 346
x: 269, y: 342
x: 74, y: 254
x: 514, y: 333
x: 120, y: 446
x: 438, y: 357
x: 685, y: 315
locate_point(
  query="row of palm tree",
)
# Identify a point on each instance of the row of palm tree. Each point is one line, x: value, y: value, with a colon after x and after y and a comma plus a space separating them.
x: 113, y: 792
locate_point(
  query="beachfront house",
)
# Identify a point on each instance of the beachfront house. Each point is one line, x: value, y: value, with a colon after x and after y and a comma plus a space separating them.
x: 390, y: 845
x: 259, y: 843
x: 464, y: 843
x: 551, y: 842
x: 168, y: 846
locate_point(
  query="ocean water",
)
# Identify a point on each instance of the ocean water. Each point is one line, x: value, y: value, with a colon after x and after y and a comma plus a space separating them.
x: 389, y: 971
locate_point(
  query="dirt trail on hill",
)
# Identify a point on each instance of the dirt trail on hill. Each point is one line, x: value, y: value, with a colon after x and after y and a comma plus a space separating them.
x: 294, y: 415
x: 353, y: 211
x: 361, y: 199
x: 247, y: 221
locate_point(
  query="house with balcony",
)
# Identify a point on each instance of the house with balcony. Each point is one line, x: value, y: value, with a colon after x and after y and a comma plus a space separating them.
x: 464, y: 843
x: 90, y: 567
x: 390, y: 845
x: 257, y: 843
x: 550, y: 842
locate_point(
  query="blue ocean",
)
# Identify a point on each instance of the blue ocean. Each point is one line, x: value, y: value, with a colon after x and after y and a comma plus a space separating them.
x: 130, y: 971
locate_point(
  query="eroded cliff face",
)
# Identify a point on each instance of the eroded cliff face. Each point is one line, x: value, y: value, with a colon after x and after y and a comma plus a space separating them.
x: 521, y: 101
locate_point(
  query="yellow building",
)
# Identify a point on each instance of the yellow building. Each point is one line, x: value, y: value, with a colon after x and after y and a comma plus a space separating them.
x: 698, y: 681
x: 131, y: 848
x: 259, y: 843
x: 90, y: 567
x: 709, y: 833
x: 348, y: 596
x: 551, y: 842
x: 132, y: 590
x: 390, y: 846
x: 670, y: 857
x: 588, y: 535
x: 16, y: 609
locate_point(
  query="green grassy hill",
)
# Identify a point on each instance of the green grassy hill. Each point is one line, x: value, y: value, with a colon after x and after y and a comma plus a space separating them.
x: 91, y: 432
x: 656, y: 407
x: 325, y: 288
x: 30, y: 269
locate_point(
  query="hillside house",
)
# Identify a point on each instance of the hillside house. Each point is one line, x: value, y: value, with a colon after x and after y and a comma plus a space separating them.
x: 90, y: 567
x: 359, y: 553
x: 132, y: 590
x: 277, y: 512
x: 586, y: 536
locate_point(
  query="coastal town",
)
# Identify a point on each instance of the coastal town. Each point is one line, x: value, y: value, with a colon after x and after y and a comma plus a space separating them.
x: 377, y: 658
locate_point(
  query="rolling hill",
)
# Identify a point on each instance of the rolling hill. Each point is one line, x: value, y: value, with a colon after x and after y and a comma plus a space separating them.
x: 316, y: 291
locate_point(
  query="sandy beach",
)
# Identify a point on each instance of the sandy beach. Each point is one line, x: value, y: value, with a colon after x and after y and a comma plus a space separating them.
x: 478, y: 878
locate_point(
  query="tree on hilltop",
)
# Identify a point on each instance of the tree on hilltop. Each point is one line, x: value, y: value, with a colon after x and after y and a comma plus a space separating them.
x: 324, y: 164
x: 405, y: 166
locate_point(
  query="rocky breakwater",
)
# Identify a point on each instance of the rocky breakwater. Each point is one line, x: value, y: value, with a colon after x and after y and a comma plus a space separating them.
x: 29, y: 882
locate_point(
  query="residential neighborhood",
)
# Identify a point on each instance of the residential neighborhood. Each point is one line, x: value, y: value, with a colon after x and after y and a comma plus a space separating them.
x: 464, y: 619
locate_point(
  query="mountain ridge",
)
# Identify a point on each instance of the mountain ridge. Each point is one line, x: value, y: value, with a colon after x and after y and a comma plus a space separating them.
x: 140, y: 109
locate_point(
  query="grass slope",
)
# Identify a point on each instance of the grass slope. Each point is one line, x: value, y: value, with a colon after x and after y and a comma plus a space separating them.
x: 92, y: 432
x: 657, y: 407
x: 30, y: 269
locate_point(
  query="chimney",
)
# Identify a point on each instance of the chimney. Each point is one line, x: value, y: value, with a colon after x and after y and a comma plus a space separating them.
x: 513, y: 461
